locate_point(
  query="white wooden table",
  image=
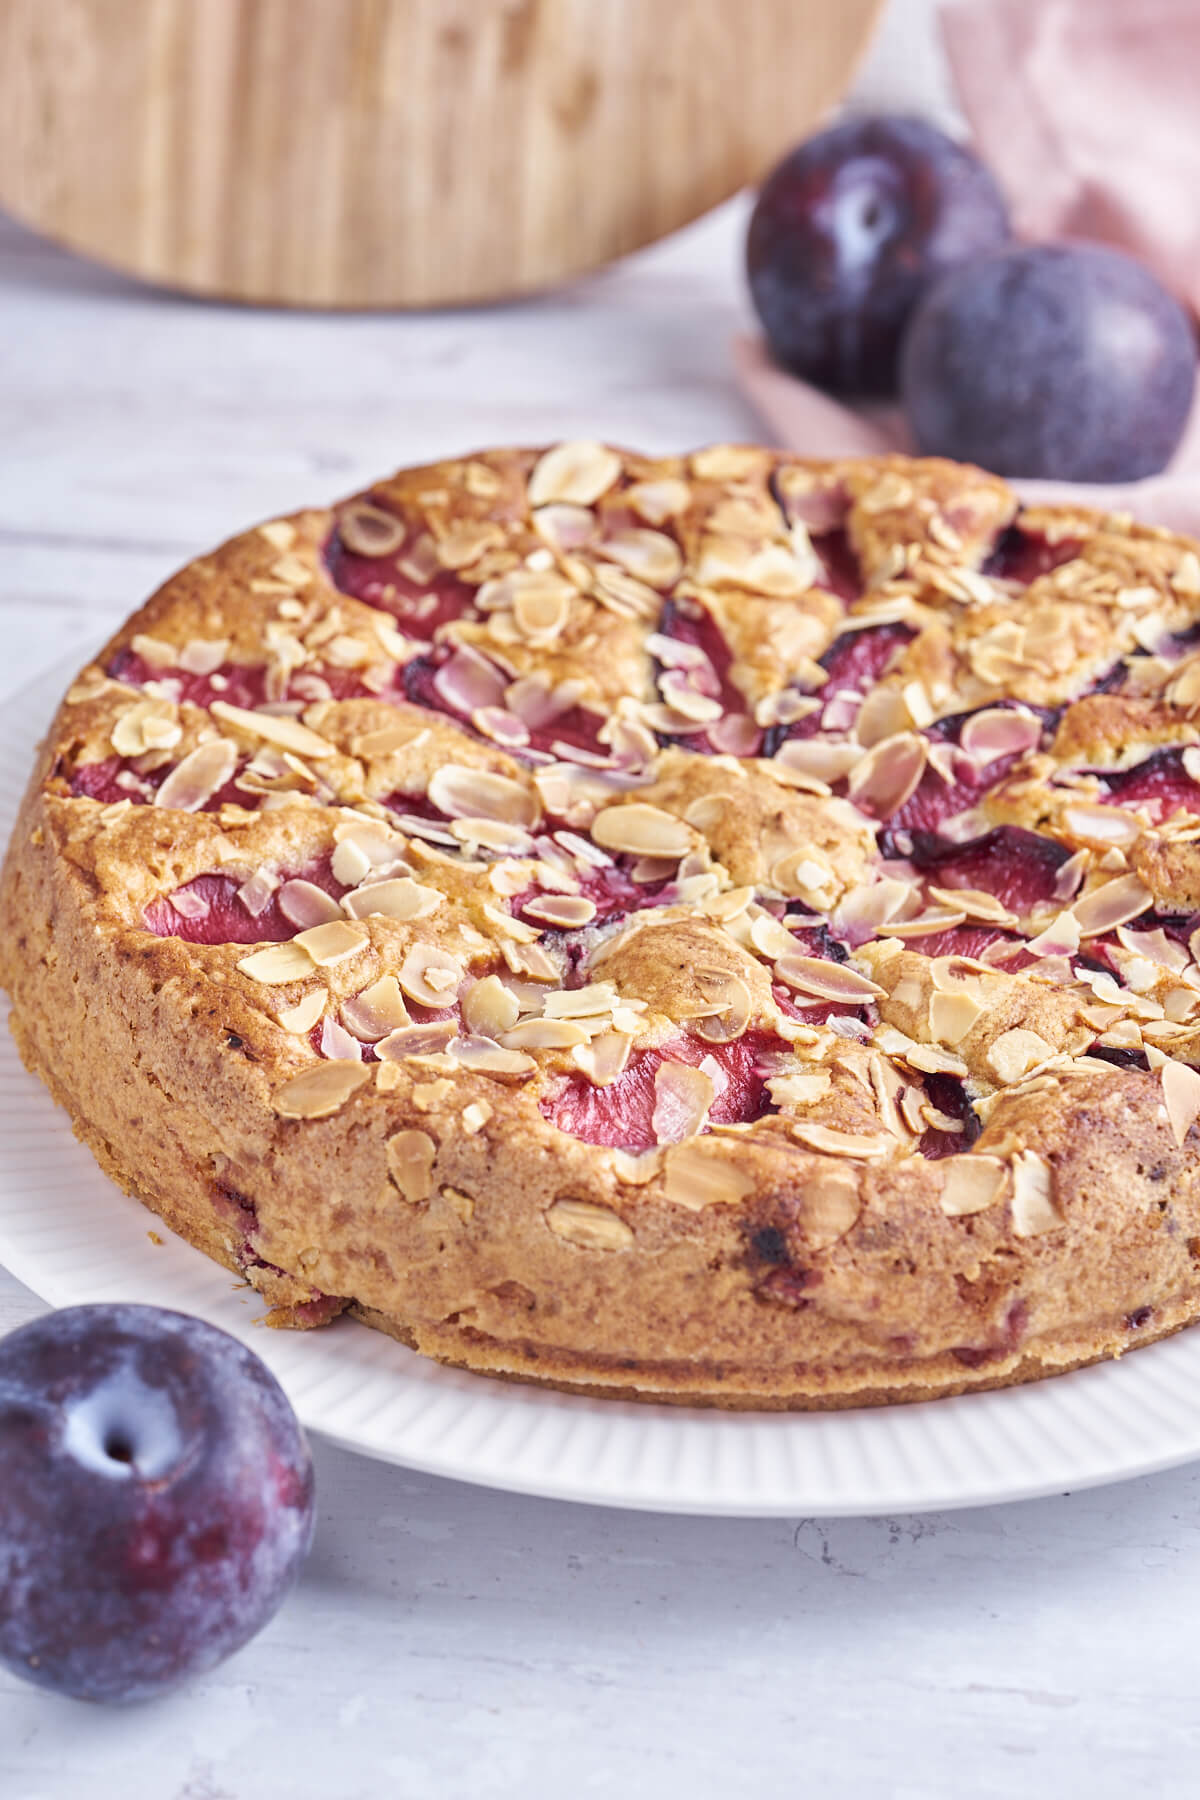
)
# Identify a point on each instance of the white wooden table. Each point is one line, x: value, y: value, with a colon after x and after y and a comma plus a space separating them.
x: 446, y: 1640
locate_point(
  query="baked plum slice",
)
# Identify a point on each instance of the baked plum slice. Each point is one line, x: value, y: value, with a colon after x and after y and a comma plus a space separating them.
x: 1161, y: 783
x: 1018, y: 867
x: 376, y: 556
x: 621, y: 1116
x: 219, y: 909
x: 114, y: 779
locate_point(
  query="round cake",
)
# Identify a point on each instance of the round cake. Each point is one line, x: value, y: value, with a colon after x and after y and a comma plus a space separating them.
x: 717, y: 928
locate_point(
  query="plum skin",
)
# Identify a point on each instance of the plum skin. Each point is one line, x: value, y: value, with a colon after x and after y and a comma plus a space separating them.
x: 1066, y: 362
x: 156, y: 1499
x: 847, y: 233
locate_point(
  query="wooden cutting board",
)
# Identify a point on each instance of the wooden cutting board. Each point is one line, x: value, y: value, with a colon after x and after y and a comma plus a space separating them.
x: 398, y: 152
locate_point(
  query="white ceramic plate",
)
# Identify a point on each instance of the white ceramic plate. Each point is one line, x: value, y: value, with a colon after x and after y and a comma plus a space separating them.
x: 71, y: 1236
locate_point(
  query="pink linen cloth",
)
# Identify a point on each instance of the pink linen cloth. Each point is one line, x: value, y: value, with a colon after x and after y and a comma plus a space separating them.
x: 1088, y: 114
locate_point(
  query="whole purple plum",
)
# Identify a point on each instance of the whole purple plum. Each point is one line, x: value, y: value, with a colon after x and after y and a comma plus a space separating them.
x: 848, y: 232
x: 1069, y: 362
x: 156, y: 1499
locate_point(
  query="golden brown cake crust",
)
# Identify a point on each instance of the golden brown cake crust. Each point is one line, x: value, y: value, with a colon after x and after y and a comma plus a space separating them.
x: 713, y: 929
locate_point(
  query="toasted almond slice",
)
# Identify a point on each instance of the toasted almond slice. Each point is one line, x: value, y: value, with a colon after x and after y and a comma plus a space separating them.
x: 1116, y: 903
x: 489, y: 1007
x: 430, y: 976
x: 973, y: 1183
x: 332, y: 943
x: 301, y: 1018
x: 799, y: 1090
x: 199, y: 775
x: 410, y: 1158
x: 567, y: 912
x: 883, y: 714
x: 576, y: 473
x: 278, y: 963
x: 368, y: 530
x: 702, y: 1172
x: 1033, y: 1208
x: 729, y: 995
x: 927, y: 923
x: 604, y: 1059
x: 544, y: 1034
x: 465, y: 793
x: 1101, y: 826
x: 475, y: 1115
x: 824, y: 761
x: 320, y: 1091
x: 1181, y: 1095
x: 997, y: 731
x: 303, y: 903
x: 286, y: 733
x: 975, y: 903
x: 404, y: 735
x: 826, y: 980
x: 378, y: 1010
x: 650, y: 556
x: 842, y: 1143
x: 589, y: 1226
x: 682, y: 1097
x: 483, y: 1056
x: 829, y: 1206
x: 415, y: 1040
x: 578, y: 1003
x: 399, y: 898
x: 889, y: 774
x: 951, y: 1016
x: 636, y: 829
x: 337, y: 1044
x: 1014, y: 1054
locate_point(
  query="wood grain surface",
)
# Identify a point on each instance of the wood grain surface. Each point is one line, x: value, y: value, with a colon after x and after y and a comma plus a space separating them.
x: 365, y: 153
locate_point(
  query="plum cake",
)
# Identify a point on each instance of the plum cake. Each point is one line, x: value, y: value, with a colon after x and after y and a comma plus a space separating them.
x: 716, y: 928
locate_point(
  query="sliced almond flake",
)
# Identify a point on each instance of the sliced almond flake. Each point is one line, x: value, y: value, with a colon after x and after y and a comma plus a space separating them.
x: 925, y: 924
x: 1181, y: 1096
x: 574, y: 1003
x: 663, y: 498
x: 799, y: 1090
x: 831, y: 1142
x: 544, y: 1034
x: 287, y: 734
x: 390, y: 738
x: 199, y: 775
x: 682, y: 1097
x: 489, y: 1007
x: 376, y: 1011
x: 732, y: 1007
x: 604, y: 1059
x: 1101, y: 826
x: 484, y: 1056
x: 771, y: 938
x: 1016, y: 1053
x: 131, y: 734
x: 278, y: 963
x: 829, y: 1206
x: 1115, y: 903
x: 696, y: 1176
x: 881, y: 714
x: 1059, y: 938
x: 529, y: 960
x: 156, y: 653
x: 1033, y: 1208
x: 635, y: 829
x: 203, y: 656
x: 728, y: 905
x: 996, y: 731
x: 824, y: 761
x: 952, y: 1016
x: 337, y: 1044
x: 399, y: 898
x: 973, y: 1183
x: 588, y: 1226
x: 410, y: 1159
x: 416, y: 1040
x: 508, y: 927
x: 567, y: 912
x: 321, y: 1091
x: 303, y: 903
x: 301, y: 1018
x: 464, y: 793
x: 975, y: 903
x: 430, y: 976
x: 332, y: 943
x: 564, y: 527
x: 649, y: 556
x: 368, y: 530
x: 475, y: 1115
x: 826, y: 980
x: 576, y: 473
x: 888, y: 774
